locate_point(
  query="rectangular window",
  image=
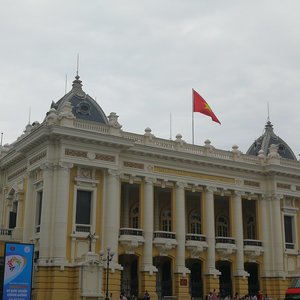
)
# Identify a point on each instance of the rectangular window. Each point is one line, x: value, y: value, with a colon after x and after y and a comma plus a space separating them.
x: 289, y: 232
x: 83, y: 211
x: 38, y: 212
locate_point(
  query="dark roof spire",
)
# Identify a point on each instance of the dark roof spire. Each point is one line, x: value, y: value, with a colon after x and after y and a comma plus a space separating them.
x: 269, y: 138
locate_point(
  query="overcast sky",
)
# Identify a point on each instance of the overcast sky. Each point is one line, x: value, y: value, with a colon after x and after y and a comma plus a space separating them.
x: 141, y: 59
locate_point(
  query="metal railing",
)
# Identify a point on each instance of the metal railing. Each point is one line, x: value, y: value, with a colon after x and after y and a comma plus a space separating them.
x: 195, y: 237
x: 225, y: 240
x: 164, y: 235
x: 249, y: 242
x: 131, y: 231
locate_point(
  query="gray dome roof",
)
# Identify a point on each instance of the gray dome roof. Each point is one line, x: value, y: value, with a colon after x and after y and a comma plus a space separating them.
x: 83, y: 106
x: 267, y: 139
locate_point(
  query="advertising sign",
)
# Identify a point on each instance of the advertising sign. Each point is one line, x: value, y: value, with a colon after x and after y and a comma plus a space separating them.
x: 17, y: 280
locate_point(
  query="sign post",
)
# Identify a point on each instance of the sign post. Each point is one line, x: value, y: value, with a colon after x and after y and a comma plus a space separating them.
x: 17, y: 280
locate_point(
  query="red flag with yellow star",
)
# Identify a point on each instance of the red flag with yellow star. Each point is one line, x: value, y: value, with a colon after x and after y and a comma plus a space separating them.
x: 201, y: 106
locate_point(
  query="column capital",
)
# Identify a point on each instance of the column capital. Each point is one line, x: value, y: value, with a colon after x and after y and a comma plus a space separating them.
x: 114, y: 173
x: 277, y: 197
x: 149, y: 180
x: 47, y: 166
x: 180, y: 185
x: 266, y: 197
x: 237, y: 193
x: 210, y: 189
x: 65, y: 165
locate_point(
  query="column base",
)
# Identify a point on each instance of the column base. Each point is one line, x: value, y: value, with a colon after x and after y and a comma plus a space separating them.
x: 274, y: 287
x: 150, y: 269
x: 211, y: 282
x: 148, y: 283
x: 241, y: 285
x: 114, y: 287
x: 182, y: 286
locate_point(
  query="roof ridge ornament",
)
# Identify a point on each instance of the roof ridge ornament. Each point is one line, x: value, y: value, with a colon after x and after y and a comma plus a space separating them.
x: 77, y: 83
x: 77, y: 87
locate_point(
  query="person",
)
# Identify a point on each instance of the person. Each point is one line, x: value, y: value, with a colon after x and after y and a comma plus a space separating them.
x: 214, y: 295
x: 209, y: 296
x: 122, y: 296
x: 236, y: 297
x: 146, y: 295
x: 260, y: 295
x: 254, y: 297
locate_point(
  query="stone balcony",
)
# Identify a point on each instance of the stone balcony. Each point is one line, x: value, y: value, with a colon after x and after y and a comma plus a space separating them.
x: 6, y: 234
x: 253, y: 249
x: 164, y: 241
x: 195, y: 244
x: 225, y: 246
x: 131, y: 239
x: 11, y: 235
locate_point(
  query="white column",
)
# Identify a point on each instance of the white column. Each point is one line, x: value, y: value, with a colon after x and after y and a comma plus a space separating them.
x: 180, y: 229
x: 278, y: 236
x: 210, y: 231
x: 60, y: 220
x: 45, y: 232
x: 29, y: 210
x: 239, y: 238
x: 265, y: 229
x: 156, y: 211
x: 20, y: 210
x: 148, y: 225
x: 126, y: 207
x: 112, y: 213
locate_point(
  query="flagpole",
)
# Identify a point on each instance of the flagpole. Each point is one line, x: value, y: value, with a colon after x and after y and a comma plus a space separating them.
x: 170, y: 126
x: 192, y: 117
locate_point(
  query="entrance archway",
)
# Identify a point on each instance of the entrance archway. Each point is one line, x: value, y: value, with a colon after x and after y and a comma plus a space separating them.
x: 225, y: 278
x: 253, y: 279
x: 129, y: 275
x: 164, y: 276
x: 196, y: 282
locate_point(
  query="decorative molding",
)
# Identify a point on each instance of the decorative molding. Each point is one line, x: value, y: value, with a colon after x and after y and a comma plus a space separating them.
x: 251, y: 183
x: 76, y: 153
x: 37, y: 157
x: 105, y: 157
x: 17, y: 173
x: 163, y: 170
x: 130, y: 164
x: 283, y: 186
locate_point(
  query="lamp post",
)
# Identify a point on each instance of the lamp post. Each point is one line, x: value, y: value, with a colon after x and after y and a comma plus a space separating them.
x: 91, y: 237
x: 108, y: 259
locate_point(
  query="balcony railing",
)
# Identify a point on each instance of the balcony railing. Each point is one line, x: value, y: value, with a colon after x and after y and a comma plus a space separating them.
x: 7, y: 232
x: 290, y: 246
x: 195, y: 237
x: 131, y: 231
x: 164, y: 235
x: 256, y: 243
x: 83, y: 228
x: 225, y: 240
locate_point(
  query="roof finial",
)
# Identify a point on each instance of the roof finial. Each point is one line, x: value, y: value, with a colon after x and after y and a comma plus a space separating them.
x: 66, y: 83
x: 268, y: 112
x: 29, y: 115
x: 77, y: 65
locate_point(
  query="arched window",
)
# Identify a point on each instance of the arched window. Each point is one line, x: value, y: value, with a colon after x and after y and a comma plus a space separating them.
x: 166, y: 220
x: 134, y: 216
x: 195, y: 222
x: 222, y: 226
x: 250, y: 228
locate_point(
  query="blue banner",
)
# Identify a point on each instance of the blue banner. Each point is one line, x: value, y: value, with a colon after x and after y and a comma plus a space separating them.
x: 18, y: 271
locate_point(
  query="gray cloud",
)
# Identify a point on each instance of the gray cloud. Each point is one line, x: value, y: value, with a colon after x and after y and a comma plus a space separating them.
x: 142, y: 58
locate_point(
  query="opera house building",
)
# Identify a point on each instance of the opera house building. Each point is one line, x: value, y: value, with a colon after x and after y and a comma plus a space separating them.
x: 110, y: 211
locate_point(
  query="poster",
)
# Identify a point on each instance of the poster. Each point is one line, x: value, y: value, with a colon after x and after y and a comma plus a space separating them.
x: 17, y: 280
